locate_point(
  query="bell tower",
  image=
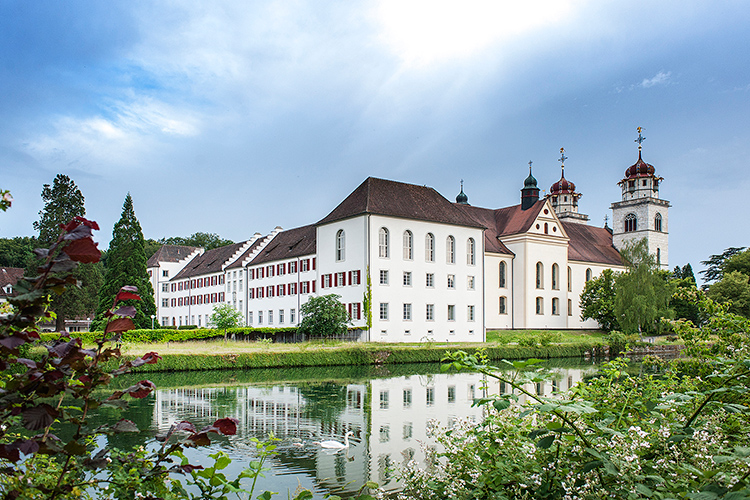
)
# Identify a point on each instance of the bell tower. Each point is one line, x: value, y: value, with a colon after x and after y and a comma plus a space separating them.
x: 564, y: 198
x: 641, y: 213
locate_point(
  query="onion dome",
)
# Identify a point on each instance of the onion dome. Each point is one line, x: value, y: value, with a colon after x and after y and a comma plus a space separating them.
x: 640, y: 169
x: 530, y: 181
x: 462, y: 199
x: 562, y: 186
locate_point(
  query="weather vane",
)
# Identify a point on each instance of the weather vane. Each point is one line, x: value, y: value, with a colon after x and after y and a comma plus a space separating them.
x: 562, y: 156
x: 530, y: 162
x: 640, y: 138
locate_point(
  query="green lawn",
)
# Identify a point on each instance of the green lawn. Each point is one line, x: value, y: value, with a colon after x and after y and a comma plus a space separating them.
x: 554, y: 336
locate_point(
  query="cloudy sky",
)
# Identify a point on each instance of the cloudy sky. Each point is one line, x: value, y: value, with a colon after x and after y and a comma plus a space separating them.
x: 237, y: 116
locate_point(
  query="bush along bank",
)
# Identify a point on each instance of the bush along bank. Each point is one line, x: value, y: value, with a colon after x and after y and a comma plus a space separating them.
x: 349, y: 356
x: 160, y: 335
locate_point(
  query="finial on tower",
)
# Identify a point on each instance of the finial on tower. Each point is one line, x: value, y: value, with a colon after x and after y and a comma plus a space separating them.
x: 562, y: 160
x: 530, y: 162
x: 640, y: 139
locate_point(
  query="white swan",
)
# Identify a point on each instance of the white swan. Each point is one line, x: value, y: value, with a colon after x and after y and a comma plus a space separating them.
x: 335, y: 445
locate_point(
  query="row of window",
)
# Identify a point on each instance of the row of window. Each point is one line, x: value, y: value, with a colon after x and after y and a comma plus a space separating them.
x: 429, y: 312
x: 193, y: 300
x: 429, y: 280
x: 555, y: 306
x: 281, y: 290
x: 342, y: 278
x: 281, y: 269
x: 269, y: 318
x: 193, y: 284
x: 384, y: 247
x: 631, y: 223
x: 555, y: 276
x: 407, y: 399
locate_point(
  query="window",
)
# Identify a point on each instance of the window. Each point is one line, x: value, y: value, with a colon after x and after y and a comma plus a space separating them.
x: 429, y: 248
x: 570, y: 307
x: 471, y: 257
x: 270, y: 317
x: 470, y: 313
x: 450, y: 250
x: 165, y: 287
x: 356, y: 310
x: 304, y: 287
x: 451, y: 281
x: 340, y: 245
x: 430, y: 280
x: 470, y: 283
x: 165, y: 273
x: 385, y: 433
x: 451, y: 312
x: 631, y: 223
x: 407, y: 398
x: 555, y: 277
x: 304, y: 266
x: 430, y: 313
x: 539, y: 305
x: 408, y: 245
x: 502, y: 309
x: 657, y: 222
x: 430, y: 396
x: 291, y: 316
x: 260, y: 317
x: 555, y: 306
x: 341, y: 279
x: 165, y: 302
x: 539, y: 275
x: 589, y: 275
x: 407, y: 278
x: 501, y: 275
x: 383, y: 277
x: 407, y: 312
x: 281, y: 315
x: 570, y: 280
x: 249, y: 318
x: 451, y: 393
x: 658, y: 256
x: 383, y: 250
x: 408, y: 429
x: 384, y: 311
x: 355, y: 278
x: 384, y: 400
x: 293, y: 267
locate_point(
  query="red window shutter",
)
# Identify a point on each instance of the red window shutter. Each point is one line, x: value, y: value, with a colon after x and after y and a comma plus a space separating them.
x: 350, y: 309
x: 313, y: 284
x: 313, y: 264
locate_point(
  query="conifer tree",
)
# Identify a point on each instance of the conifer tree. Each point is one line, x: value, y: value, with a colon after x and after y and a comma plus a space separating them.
x: 126, y: 265
x: 63, y: 201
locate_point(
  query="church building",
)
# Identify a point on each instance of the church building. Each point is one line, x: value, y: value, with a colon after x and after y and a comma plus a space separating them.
x: 437, y: 270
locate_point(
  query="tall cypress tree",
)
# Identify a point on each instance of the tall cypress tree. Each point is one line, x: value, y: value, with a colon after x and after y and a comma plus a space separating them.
x: 126, y: 265
x: 63, y: 201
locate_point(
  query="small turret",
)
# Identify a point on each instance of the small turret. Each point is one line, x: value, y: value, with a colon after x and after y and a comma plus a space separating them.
x: 462, y: 199
x: 530, y: 191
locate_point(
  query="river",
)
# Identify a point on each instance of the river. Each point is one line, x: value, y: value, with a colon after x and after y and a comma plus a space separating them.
x: 388, y: 409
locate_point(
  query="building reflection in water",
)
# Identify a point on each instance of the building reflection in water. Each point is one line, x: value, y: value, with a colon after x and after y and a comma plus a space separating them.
x: 390, y: 419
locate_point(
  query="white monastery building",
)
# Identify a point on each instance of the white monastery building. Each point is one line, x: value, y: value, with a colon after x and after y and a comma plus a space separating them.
x: 438, y: 270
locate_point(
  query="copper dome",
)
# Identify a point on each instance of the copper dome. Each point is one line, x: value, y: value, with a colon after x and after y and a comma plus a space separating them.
x: 563, y: 186
x: 640, y: 169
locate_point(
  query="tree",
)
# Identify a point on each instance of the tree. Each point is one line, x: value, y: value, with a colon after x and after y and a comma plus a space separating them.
x: 207, y: 241
x: 715, y: 264
x: 733, y: 288
x: 324, y: 316
x: 739, y: 262
x: 63, y: 201
x: 641, y: 294
x: 598, y: 300
x: 16, y: 252
x: 126, y: 266
x: 225, y: 317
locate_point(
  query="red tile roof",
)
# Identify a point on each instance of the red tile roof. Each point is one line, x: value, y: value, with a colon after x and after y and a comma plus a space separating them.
x: 288, y: 245
x: 210, y: 262
x: 9, y: 276
x: 238, y: 261
x: 170, y: 253
x: 398, y: 199
x: 591, y: 244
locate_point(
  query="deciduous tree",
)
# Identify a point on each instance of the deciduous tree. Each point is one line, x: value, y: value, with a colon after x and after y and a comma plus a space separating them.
x: 733, y: 288
x: 324, y: 316
x: 207, y: 241
x: 225, y: 317
x: 126, y: 265
x: 598, y: 300
x: 715, y: 264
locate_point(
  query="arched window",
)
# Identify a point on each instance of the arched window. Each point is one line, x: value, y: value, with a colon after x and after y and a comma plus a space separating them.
x: 539, y: 275
x: 471, y: 257
x: 570, y: 280
x: 502, y: 306
x: 539, y: 305
x: 631, y: 223
x: 501, y: 275
x: 589, y: 275
x: 429, y: 248
x: 383, y: 250
x: 555, y: 277
x: 657, y: 222
x: 340, y: 245
x: 408, y: 245
x: 450, y: 250
x: 546, y: 228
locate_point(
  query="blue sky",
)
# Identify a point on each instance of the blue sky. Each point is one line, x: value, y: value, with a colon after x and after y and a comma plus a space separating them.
x: 234, y: 116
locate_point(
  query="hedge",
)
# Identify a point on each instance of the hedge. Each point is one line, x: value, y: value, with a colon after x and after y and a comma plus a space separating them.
x: 172, y: 335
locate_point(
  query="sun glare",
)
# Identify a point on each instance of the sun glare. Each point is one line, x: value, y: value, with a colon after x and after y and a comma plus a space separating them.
x: 428, y: 31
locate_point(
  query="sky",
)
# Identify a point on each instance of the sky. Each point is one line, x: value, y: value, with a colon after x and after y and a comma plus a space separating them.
x: 237, y: 116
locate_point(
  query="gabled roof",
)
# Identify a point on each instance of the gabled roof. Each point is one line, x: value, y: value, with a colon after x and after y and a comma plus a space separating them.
x: 170, y: 253
x: 212, y: 261
x: 288, y: 245
x: 398, y: 199
x: 513, y: 220
x: 486, y: 217
x: 591, y: 244
x: 238, y: 261
x: 9, y: 276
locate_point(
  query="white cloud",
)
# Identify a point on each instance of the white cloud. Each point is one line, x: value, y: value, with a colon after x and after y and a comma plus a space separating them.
x: 661, y: 78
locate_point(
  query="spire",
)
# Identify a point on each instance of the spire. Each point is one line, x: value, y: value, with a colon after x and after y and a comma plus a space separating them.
x: 530, y: 191
x: 562, y: 161
x: 462, y: 199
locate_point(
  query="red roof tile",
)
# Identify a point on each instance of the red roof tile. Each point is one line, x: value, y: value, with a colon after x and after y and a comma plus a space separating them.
x: 591, y: 244
x: 170, y: 253
x: 288, y: 245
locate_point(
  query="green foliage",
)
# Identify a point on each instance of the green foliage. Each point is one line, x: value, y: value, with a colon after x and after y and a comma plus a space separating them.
x: 126, y: 265
x: 739, y: 262
x: 642, y: 295
x: 62, y: 201
x: 685, y: 309
x: 324, y: 316
x: 685, y: 272
x: 6, y: 200
x: 733, y: 290
x: 224, y: 317
x: 150, y: 247
x: 367, y: 300
x: 16, y: 252
x: 598, y: 300
x: 715, y: 264
x: 208, y: 241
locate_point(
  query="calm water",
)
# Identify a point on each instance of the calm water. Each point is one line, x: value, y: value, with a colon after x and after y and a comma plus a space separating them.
x: 388, y: 409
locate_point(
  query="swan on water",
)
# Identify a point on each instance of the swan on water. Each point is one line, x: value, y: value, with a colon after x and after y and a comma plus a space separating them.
x: 335, y: 444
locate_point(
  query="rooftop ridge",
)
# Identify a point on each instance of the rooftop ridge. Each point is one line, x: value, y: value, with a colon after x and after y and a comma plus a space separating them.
x: 263, y: 244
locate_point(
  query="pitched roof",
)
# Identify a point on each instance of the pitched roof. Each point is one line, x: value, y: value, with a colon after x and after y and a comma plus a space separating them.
x: 9, y: 276
x: 398, y: 199
x: 513, y: 220
x: 238, y: 261
x: 288, y: 245
x: 591, y: 244
x: 210, y: 262
x: 170, y: 253
x: 486, y: 217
